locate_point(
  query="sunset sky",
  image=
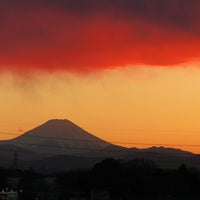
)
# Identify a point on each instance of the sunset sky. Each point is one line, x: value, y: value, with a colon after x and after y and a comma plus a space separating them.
x: 127, y: 71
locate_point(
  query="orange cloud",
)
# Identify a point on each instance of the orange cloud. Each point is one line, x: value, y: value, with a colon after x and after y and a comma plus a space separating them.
x: 82, y: 36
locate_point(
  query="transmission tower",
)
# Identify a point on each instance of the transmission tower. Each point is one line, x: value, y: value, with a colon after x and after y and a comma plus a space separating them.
x: 15, y: 161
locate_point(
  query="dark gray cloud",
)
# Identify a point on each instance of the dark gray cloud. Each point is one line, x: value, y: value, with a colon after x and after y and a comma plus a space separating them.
x: 180, y: 13
x: 83, y: 35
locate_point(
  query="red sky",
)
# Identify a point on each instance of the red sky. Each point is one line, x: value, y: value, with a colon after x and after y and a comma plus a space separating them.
x: 138, y: 60
x: 76, y: 35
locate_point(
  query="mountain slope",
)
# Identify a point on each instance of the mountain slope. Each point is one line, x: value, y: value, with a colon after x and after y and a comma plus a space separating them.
x: 57, y: 137
x: 169, y: 151
x: 60, y: 144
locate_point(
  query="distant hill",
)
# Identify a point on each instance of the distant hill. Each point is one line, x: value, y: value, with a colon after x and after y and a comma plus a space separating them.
x: 62, y: 163
x: 167, y: 150
x: 9, y: 151
x: 61, y: 144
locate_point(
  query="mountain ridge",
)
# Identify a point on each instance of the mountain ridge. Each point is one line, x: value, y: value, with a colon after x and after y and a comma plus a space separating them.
x: 64, y: 134
x: 62, y: 139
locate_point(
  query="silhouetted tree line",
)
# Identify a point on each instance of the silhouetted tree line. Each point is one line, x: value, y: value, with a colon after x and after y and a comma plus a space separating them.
x: 122, y: 179
x: 133, y: 179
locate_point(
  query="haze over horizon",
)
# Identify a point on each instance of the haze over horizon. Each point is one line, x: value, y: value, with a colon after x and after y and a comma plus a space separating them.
x: 62, y: 136
x: 126, y: 71
x: 65, y: 125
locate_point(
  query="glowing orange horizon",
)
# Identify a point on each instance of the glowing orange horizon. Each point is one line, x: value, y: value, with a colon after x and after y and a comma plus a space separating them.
x: 106, y: 64
x: 128, y: 105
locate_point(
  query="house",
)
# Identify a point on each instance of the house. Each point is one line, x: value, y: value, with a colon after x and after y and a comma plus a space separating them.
x: 8, y: 195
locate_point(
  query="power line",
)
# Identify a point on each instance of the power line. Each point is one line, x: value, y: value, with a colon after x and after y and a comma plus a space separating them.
x: 147, y: 130
x: 141, y: 130
x: 134, y: 129
x: 57, y: 147
x: 159, y: 144
x: 73, y: 148
x: 32, y: 151
x: 97, y: 141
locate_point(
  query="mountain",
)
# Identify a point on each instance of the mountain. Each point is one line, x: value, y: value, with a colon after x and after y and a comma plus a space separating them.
x: 62, y: 137
x: 61, y: 144
x: 168, y: 151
